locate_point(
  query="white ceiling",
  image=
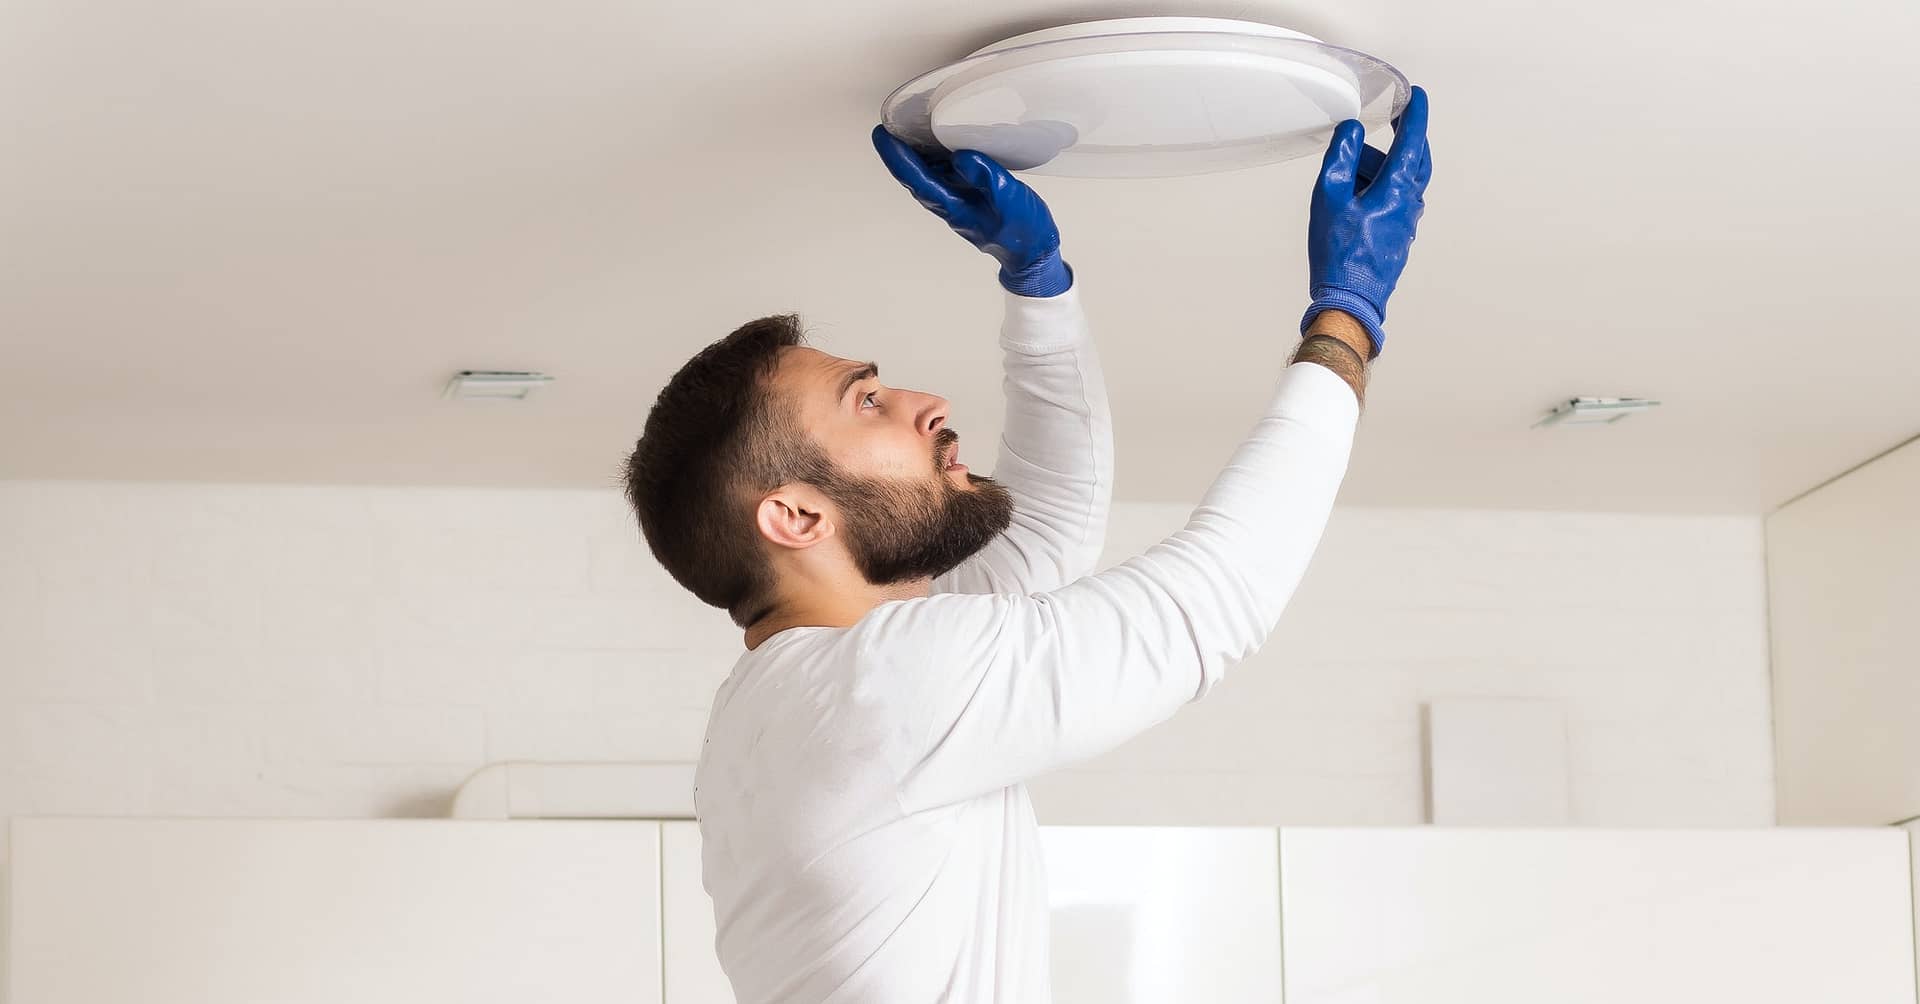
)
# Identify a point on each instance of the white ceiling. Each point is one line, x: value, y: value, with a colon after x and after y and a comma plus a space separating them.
x: 248, y: 241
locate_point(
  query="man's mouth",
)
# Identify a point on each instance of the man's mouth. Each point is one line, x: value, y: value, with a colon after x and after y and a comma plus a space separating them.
x: 952, y: 460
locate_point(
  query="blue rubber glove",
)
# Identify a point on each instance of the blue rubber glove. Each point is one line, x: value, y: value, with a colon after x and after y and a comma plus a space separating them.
x: 991, y: 208
x: 1365, y: 208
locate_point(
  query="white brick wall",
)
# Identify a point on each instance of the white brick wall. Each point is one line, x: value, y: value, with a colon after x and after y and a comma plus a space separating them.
x: 1650, y: 631
x: 335, y: 651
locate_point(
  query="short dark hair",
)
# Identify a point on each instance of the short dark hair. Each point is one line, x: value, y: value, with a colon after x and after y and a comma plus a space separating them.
x: 715, y: 441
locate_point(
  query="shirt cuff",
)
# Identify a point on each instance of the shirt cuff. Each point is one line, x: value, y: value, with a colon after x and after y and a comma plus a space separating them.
x: 1310, y: 389
x: 1050, y: 276
x: 1042, y: 324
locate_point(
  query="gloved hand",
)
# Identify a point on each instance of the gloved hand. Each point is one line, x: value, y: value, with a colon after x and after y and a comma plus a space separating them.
x: 991, y: 208
x: 1365, y: 208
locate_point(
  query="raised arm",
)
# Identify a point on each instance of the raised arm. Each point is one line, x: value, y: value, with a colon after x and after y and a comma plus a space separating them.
x: 989, y: 690
x: 1055, y: 454
x: 1056, y: 448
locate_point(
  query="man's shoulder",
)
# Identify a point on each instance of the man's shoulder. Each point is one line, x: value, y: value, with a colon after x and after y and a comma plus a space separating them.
x: 907, y: 626
x: 863, y: 676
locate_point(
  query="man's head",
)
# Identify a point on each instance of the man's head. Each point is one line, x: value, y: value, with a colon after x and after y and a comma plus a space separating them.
x: 762, y: 449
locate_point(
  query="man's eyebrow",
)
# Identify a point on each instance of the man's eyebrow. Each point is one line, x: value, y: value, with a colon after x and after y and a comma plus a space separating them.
x: 867, y: 372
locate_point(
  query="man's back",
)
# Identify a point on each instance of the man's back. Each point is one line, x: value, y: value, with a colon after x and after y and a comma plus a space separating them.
x: 866, y: 834
x: 826, y: 886
x: 850, y: 854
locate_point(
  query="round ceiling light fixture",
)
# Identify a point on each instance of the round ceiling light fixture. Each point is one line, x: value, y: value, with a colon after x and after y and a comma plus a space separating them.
x: 1146, y: 97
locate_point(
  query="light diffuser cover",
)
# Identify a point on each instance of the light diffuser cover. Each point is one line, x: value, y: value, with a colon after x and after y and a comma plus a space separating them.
x: 1146, y: 97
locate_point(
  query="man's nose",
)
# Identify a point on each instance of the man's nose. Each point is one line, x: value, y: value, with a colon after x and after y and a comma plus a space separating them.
x: 933, y: 414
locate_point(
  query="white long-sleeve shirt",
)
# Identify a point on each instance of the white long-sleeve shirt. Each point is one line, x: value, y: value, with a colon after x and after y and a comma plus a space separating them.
x: 867, y: 836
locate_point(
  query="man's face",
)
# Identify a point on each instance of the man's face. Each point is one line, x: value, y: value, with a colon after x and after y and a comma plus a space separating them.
x: 908, y: 508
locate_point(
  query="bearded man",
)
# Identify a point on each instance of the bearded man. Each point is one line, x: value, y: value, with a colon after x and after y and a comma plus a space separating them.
x: 921, y: 640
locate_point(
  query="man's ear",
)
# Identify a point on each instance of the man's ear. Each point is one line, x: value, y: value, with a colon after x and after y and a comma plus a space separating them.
x: 793, y: 516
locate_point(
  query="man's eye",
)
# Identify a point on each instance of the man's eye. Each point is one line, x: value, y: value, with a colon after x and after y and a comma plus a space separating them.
x: 869, y: 398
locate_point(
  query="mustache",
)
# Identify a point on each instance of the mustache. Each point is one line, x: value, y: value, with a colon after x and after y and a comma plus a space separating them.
x: 942, y: 442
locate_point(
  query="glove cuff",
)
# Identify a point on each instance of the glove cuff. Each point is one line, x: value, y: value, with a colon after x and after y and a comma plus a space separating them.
x: 1333, y: 298
x: 1049, y: 276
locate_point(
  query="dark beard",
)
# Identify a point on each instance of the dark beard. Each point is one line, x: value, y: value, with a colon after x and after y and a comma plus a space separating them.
x: 899, y: 531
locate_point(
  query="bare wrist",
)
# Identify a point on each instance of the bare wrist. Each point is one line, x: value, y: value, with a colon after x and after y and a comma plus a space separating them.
x: 1342, y: 325
x: 1339, y: 343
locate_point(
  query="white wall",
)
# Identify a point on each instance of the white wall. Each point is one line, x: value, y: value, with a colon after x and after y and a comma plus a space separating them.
x: 1913, y: 863
x: 1650, y: 631
x: 1844, y: 567
x: 335, y: 651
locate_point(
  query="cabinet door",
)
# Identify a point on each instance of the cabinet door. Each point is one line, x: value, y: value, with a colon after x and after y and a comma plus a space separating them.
x: 168, y: 911
x: 1596, y: 917
x: 693, y: 974
x: 1145, y: 915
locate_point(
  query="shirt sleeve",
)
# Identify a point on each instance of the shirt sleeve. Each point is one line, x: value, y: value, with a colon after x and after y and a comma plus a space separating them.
x: 981, y: 692
x: 1055, y: 456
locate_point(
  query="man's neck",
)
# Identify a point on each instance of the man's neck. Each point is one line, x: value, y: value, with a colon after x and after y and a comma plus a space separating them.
x: 839, y: 608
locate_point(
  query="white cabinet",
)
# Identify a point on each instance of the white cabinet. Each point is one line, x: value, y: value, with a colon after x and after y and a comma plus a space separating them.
x: 1584, y: 917
x: 1146, y: 915
x: 693, y: 974
x: 1140, y: 915
x: 106, y: 911
x: 437, y: 912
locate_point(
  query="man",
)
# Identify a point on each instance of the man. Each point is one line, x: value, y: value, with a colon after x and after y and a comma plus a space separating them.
x: 921, y: 639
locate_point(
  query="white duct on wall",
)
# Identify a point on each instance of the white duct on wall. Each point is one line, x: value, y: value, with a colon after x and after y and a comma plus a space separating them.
x: 1497, y: 762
